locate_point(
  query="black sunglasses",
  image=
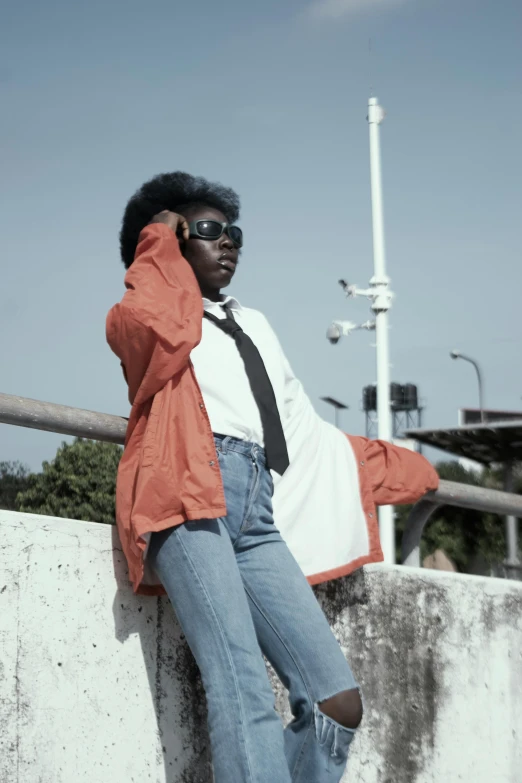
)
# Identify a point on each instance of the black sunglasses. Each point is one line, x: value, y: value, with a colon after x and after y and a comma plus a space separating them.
x: 213, y: 229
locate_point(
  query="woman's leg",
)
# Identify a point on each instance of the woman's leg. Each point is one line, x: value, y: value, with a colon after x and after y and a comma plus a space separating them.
x: 295, y: 636
x: 197, y: 565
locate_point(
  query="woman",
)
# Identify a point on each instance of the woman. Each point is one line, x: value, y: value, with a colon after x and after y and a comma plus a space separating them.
x: 217, y: 420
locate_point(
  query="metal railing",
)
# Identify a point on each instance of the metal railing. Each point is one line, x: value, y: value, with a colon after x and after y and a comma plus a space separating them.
x: 464, y: 496
x: 23, y: 412
x: 49, y: 416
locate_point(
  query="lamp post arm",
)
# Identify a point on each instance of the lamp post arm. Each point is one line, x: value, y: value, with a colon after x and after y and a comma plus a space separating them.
x: 480, y: 384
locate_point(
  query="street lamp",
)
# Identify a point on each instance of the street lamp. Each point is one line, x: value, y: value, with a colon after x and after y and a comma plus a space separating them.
x: 337, y: 406
x: 459, y: 355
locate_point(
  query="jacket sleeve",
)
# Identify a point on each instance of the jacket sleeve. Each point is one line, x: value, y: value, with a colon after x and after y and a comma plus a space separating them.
x: 397, y: 475
x: 158, y: 322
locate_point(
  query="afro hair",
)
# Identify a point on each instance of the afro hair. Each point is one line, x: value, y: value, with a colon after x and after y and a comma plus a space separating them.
x: 171, y: 191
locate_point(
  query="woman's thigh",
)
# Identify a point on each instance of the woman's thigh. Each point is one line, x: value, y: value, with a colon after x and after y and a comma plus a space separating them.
x: 197, y: 566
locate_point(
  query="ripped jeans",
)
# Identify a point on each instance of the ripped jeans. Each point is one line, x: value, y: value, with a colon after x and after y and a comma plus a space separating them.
x: 238, y: 592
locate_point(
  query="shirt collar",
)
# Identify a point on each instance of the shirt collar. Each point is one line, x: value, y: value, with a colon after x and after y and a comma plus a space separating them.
x: 230, y: 301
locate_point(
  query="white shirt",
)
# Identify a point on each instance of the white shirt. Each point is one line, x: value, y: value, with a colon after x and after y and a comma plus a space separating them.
x: 221, y: 373
x: 317, y: 504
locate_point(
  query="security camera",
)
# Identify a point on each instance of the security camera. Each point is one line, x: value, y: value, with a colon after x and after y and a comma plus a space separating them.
x: 333, y: 334
x: 338, y: 329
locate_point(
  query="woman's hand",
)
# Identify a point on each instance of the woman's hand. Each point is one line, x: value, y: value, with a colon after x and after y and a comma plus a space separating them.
x: 174, y: 221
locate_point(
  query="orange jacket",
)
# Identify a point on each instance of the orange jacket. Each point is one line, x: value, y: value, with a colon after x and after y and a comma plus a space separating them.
x: 169, y: 471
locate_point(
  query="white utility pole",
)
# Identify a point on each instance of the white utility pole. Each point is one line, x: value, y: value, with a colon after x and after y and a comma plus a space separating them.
x: 380, y: 305
x: 381, y: 297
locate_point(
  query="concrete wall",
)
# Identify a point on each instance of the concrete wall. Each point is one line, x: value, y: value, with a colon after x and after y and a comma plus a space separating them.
x: 97, y: 685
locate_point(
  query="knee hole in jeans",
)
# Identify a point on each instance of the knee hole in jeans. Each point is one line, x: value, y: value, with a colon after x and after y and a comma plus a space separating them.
x: 344, y: 708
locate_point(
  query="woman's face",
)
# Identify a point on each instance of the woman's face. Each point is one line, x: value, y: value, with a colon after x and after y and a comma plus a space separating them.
x: 214, y: 261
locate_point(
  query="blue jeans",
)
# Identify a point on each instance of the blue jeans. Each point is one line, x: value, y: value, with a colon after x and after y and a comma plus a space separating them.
x: 238, y: 592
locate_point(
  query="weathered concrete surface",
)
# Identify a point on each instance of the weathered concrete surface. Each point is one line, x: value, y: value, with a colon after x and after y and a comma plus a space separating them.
x: 98, y: 685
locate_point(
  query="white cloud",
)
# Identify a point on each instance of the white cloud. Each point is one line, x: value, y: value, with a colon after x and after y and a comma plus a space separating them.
x: 334, y: 9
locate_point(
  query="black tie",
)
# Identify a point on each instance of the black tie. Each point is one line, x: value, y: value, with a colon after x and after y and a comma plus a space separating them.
x: 275, y: 443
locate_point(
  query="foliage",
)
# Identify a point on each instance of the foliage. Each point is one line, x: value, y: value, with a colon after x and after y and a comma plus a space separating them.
x: 464, y: 534
x: 79, y: 483
x: 14, y: 478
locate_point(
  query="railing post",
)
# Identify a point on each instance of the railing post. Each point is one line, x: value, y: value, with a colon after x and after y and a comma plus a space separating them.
x: 512, y: 564
x: 415, y: 524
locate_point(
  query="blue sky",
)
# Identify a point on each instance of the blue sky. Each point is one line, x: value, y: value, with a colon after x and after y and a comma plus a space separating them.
x: 269, y: 97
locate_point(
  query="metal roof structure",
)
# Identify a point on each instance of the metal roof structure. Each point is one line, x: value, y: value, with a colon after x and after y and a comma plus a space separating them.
x: 484, y: 443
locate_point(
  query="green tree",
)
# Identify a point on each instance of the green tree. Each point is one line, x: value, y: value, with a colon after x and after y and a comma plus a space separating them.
x: 14, y: 478
x: 464, y: 534
x: 79, y: 483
